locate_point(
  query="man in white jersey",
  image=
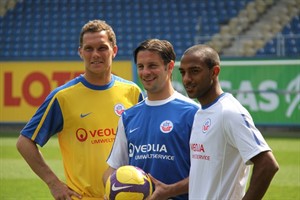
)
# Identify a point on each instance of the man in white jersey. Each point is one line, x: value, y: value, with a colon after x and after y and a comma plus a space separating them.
x: 224, y: 140
x: 154, y: 135
x: 84, y: 114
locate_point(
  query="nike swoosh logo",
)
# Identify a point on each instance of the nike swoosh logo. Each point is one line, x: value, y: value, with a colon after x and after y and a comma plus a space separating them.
x: 132, y: 130
x: 84, y: 115
x: 115, y: 188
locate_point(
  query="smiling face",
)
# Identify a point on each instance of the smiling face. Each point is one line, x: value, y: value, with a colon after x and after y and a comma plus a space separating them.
x: 97, y: 53
x: 154, y: 74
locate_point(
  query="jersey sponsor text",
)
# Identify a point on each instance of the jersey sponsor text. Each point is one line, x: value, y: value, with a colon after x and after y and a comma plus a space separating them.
x: 83, y: 134
x: 154, y: 156
x: 149, y: 151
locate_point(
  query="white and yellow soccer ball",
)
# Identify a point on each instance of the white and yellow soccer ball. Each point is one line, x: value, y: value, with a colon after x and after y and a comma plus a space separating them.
x: 128, y: 183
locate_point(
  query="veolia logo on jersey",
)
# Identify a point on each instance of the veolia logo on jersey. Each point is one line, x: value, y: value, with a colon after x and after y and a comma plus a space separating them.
x: 206, y: 125
x: 101, y: 135
x: 166, y: 126
x: 146, y: 148
x: 119, y: 109
x: 81, y: 135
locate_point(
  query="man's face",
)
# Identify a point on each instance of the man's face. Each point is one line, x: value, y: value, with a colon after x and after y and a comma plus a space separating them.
x: 196, y: 77
x: 97, y: 53
x: 152, y: 71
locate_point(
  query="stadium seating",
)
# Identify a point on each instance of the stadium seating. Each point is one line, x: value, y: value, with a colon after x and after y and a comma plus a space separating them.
x: 289, y: 37
x: 49, y: 29
x: 254, y: 27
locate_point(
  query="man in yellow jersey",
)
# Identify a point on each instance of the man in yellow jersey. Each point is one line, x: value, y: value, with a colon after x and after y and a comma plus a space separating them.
x: 84, y: 113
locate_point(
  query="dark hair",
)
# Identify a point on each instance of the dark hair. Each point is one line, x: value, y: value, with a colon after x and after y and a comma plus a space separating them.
x: 163, y: 47
x: 98, y: 26
x: 207, y: 55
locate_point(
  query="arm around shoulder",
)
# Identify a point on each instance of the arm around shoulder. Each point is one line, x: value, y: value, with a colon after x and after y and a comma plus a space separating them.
x: 264, y: 169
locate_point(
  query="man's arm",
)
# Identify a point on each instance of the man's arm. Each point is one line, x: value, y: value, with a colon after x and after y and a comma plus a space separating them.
x: 30, y: 152
x: 164, y: 191
x: 264, y: 169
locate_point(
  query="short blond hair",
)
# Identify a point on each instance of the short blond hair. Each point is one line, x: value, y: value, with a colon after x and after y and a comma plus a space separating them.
x: 98, y: 26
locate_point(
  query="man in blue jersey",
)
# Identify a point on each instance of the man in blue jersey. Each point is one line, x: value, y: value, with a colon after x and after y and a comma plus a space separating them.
x: 84, y: 113
x: 154, y: 134
x: 224, y: 140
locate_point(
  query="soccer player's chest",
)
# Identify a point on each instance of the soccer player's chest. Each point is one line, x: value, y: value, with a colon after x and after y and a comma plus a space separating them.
x: 93, y: 113
x: 208, y: 133
x: 158, y: 127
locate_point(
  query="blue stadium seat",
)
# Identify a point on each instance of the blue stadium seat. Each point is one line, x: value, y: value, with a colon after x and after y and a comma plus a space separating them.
x: 49, y: 29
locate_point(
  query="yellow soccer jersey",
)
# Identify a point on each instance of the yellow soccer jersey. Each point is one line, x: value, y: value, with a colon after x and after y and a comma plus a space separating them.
x: 85, y: 117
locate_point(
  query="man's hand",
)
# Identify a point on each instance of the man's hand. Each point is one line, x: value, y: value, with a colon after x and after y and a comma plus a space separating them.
x: 60, y: 191
x: 164, y: 191
x: 161, y: 190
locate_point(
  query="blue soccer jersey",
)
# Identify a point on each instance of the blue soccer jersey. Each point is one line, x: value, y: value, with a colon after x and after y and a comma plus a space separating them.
x: 154, y: 135
x: 85, y: 117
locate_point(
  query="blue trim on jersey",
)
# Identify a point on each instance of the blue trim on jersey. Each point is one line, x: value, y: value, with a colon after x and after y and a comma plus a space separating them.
x: 117, y: 78
x: 159, y: 151
x: 97, y: 87
x: 141, y: 96
x: 53, y: 122
x: 208, y: 105
x: 248, y: 125
x: 110, y: 84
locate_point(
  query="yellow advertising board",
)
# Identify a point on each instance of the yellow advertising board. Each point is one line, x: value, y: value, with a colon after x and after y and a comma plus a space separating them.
x: 25, y: 85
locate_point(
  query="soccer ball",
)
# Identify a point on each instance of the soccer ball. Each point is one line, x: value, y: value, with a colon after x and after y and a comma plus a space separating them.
x: 128, y: 183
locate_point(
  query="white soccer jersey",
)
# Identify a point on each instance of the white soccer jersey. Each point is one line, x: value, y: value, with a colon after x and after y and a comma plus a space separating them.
x: 223, y: 140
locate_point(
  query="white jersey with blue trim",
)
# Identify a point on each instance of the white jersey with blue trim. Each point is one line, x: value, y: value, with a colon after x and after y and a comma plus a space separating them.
x: 223, y: 140
x: 154, y: 135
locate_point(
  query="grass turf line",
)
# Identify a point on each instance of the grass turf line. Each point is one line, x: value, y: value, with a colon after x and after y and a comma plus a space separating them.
x: 17, y: 181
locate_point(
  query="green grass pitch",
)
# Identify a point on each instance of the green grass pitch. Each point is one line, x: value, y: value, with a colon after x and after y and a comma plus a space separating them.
x: 17, y: 181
